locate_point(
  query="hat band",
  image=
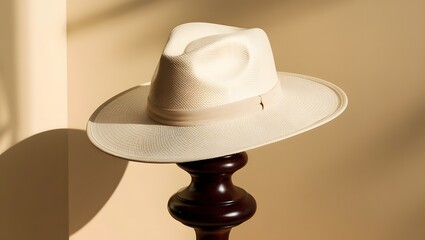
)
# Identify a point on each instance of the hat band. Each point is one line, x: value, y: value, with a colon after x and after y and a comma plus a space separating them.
x: 190, y: 117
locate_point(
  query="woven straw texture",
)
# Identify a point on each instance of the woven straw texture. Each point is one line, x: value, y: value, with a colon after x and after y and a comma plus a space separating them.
x: 121, y: 127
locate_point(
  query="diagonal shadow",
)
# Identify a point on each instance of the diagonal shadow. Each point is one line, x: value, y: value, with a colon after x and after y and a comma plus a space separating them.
x: 106, y: 14
x: 9, y: 120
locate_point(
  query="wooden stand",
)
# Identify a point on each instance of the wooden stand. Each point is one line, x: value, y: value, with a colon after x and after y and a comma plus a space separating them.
x: 211, y: 204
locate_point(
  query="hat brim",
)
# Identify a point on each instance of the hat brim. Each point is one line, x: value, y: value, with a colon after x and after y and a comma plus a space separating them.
x: 121, y: 127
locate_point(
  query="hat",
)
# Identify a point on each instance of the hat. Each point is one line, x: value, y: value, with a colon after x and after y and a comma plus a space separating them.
x: 215, y: 92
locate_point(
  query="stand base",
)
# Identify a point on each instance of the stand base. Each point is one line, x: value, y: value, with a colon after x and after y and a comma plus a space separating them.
x: 211, y: 204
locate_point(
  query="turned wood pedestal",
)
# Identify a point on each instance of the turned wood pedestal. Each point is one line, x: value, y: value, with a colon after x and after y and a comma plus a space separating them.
x: 211, y: 204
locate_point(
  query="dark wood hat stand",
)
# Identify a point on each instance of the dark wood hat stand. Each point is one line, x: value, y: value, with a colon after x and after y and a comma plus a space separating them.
x: 211, y: 204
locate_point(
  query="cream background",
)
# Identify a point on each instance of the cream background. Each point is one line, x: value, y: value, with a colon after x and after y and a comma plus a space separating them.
x: 33, y: 101
x: 33, y: 65
x: 358, y: 177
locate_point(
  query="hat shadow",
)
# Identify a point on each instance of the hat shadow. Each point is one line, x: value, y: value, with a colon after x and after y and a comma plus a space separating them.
x: 93, y: 177
x: 34, y: 188
x: 54, y: 183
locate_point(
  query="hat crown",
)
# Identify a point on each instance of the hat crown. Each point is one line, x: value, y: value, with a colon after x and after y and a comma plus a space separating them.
x: 208, y: 65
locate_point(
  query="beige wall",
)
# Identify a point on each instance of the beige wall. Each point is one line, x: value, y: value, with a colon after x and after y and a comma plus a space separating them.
x: 358, y: 177
x: 33, y: 80
x: 33, y: 101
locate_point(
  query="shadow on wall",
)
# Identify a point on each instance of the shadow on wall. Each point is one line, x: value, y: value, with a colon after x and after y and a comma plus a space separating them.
x: 107, y: 12
x: 93, y: 177
x: 214, y: 11
x: 8, y: 101
x: 34, y: 185
x: 33, y: 188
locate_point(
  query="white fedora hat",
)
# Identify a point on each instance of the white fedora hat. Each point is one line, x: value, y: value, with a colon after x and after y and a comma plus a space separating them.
x: 215, y: 92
